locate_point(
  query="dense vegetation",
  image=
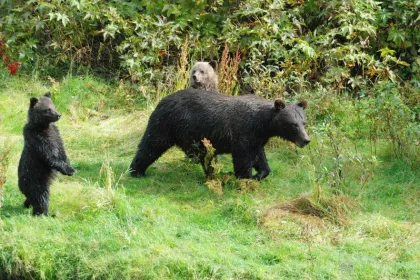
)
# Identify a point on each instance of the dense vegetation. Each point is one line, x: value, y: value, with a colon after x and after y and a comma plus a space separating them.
x: 345, y: 207
x: 284, y: 46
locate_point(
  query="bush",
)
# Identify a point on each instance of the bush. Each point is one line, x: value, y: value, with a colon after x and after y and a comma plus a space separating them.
x: 285, y: 47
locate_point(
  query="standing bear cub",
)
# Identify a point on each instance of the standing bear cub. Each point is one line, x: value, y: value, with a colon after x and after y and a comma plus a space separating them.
x: 203, y: 76
x: 43, y: 154
x: 239, y: 125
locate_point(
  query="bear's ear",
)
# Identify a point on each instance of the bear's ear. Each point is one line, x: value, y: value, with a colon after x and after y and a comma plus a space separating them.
x: 213, y: 64
x: 279, y: 104
x: 34, y: 100
x: 303, y: 104
x: 48, y: 94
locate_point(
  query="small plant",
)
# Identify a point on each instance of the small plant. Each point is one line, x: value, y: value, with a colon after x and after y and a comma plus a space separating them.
x: 212, y: 169
x: 209, y: 159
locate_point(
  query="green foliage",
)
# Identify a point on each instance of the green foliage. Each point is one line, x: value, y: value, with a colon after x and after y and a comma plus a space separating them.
x: 286, y: 47
x: 392, y: 119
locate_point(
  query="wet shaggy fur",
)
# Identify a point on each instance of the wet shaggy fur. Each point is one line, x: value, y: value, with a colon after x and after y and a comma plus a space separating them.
x: 240, y: 126
x: 43, y: 154
x: 203, y: 76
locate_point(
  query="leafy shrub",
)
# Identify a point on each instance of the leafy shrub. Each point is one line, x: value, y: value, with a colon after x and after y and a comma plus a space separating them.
x: 285, y: 47
x: 392, y: 119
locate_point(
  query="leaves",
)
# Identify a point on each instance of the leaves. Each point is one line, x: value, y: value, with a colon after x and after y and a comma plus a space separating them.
x: 59, y: 17
x: 386, y: 51
x: 397, y: 36
x: 285, y: 46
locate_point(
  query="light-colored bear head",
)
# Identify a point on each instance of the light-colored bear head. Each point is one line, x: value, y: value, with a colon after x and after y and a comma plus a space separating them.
x: 203, y: 76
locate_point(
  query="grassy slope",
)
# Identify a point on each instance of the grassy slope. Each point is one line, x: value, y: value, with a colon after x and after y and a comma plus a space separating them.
x: 169, y: 225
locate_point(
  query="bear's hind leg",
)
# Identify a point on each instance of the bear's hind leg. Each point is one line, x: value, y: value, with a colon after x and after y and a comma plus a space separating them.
x: 41, y: 204
x: 242, y: 164
x: 261, y: 166
x: 147, y: 153
x: 27, y: 203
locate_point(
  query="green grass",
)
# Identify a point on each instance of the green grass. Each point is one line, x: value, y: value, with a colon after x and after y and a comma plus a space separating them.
x: 169, y: 225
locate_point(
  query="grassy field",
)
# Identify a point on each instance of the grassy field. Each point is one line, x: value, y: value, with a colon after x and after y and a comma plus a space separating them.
x: 170, y: 225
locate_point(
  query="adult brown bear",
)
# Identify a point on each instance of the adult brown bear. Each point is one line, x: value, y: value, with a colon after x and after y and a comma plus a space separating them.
x: 239, y: 125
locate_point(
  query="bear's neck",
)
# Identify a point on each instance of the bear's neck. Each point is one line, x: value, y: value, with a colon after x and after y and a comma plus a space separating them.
x: 264, y: 126
x: 38, y: 126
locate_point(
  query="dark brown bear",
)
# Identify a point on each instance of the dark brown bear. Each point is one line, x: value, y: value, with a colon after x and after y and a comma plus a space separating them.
x: 43, y: 154
x: 239, y: 125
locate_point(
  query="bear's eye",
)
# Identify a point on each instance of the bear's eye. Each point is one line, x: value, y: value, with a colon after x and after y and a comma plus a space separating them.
x: 201, y: 71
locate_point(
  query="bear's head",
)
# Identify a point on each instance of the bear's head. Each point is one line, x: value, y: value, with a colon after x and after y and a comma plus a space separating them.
x: 203, y: 76
x: 289, y: 122
x: 42, y: 110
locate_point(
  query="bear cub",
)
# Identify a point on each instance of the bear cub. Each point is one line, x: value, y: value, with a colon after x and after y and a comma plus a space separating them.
x: 203, y: 76
x: 43, y: 154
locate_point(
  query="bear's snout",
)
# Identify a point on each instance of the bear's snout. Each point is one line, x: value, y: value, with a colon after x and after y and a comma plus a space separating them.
x: 57, y: 116
x: 303, y: 142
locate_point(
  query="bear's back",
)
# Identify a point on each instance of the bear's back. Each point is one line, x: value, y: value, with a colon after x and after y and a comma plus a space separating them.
x: 214, y: 101
x: 195, y: 114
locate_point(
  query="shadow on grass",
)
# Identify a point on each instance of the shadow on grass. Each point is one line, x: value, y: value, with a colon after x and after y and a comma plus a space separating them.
x: 174, y: 177
x: 7, y: 211
x: 4, y: 276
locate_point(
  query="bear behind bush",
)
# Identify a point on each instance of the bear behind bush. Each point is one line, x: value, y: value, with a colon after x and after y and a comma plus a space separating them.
x: 203, y: 76
x: 43, y: 154
x: 239, y: 125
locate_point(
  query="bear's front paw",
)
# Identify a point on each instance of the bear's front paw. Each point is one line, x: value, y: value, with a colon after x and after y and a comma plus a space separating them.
x: 69, y: 171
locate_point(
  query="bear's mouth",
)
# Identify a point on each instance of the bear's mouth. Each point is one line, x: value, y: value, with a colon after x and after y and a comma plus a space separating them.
x: 302, y: 143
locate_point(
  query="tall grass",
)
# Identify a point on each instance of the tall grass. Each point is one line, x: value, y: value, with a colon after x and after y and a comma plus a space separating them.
x: 5, y: 151
x: 228, y: 70
x: 183, y: 71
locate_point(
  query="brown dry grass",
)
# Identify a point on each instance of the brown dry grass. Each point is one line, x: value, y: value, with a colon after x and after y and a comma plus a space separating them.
x: 246, y: 185
x: 183, y: 71
x: 304, y: 211
x: 228, y: 70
